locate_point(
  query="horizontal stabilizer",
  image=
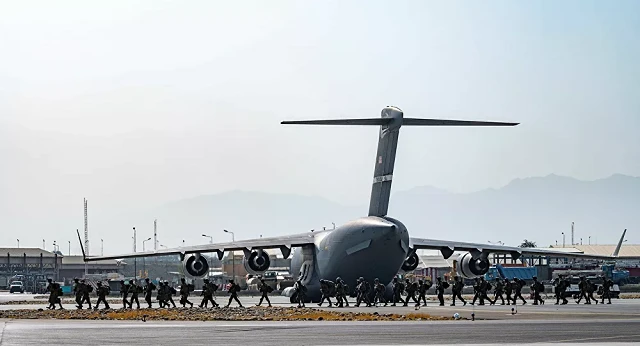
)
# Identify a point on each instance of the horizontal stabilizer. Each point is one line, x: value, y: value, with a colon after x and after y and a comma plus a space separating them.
x: 445, y: 122
x: 371, y: 121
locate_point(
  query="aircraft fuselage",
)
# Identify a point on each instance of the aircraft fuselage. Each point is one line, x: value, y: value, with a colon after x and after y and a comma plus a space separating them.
x: 370, y: 247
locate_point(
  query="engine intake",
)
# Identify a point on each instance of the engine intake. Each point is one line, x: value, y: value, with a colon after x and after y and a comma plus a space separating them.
x: 470, y: 268
x: 411, y: 263
x: 257, y: 262
x: 196, y: 266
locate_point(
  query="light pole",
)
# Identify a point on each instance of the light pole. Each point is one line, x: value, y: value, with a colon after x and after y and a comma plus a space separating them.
x: 563, y: 239
x: 18, y: 243
x: 144, y: 260
x: 135, y: 260
x: 589, y: 240
x: 163, y: 246
x: 69, y: 247
x: 44, y: 245
x: 101, y: 247
x: 210, y: 238
x: 233, y: 255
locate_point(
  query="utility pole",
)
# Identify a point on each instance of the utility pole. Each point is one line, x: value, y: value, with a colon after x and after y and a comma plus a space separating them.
x: 155, y: 235
x: 572, y: 241
x: 562, y: 239
x: 69, y: 247
x: 18, y: 243
x: 135, y: 260
x: 43, y: 248
x: 86, y: 236
x: 233, y: 255
x: 101, y: 247
x: 144, y: 260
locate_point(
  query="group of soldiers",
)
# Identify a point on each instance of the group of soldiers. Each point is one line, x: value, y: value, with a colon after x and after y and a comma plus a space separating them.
x: 508, y: 291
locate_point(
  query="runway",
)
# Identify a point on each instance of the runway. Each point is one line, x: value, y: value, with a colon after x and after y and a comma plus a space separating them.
x: 30, y: 332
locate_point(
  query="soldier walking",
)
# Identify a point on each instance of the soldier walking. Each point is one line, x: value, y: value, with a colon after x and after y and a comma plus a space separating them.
x: 440, y: 287
x: 411, y: 289
x: 606, y: 290
x: 379, y: 290
x: 207, y: 293
x: 185, y: 289
x: 508, y: 288
x: 476, y: 291
x: 265, y: 290
x: 52, y: 294
x: 499, y: 290
x: 537, y: 287
x: 135, y: 290
x: 301, y: 292
x: 583, y: 286
x: 398, y: 288
x: 458, y: 286
x: 591, y: 287
x: 517, y: 288
x: 103, y: 292
x: 325, y: 289
x: 233, y: 293
x: 341, y: 293
x: 124, y: 292
x: 560, y: 287
x: 149, y: 287
x: 77, y: 291
x: 423, y: 287
x: 169, y: 295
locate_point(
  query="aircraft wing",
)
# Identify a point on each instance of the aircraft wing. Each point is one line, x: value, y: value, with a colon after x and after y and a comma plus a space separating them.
x: 448, y: 247
x: 284, y: 243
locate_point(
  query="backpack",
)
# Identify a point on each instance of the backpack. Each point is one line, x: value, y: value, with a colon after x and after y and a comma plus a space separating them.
x: 269, y: 289
x: 191, y: 287
x: 540, y: 287
x: 89, y: 288
x: 214, y: 287
x: 445, y: 285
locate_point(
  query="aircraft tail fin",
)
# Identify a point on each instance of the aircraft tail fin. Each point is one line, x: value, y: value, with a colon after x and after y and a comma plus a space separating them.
x: 390, y: 121
x: 84, y: 256
x: 617, y: 250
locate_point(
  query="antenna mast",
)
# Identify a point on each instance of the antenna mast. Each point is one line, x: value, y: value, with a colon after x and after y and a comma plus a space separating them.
x: 572, y: 242
x: 155, y: 235
x: 86, y: 235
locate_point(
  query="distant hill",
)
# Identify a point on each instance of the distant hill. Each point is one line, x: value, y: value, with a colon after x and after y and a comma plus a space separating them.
x: 538, y: 209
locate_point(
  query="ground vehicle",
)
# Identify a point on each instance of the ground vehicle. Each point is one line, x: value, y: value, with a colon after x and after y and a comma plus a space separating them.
x: 16, y: 286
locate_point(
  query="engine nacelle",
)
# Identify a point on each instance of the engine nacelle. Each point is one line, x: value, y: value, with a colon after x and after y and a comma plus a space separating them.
x: 195, y: 266
x: 470, y: 268
x: 257, y: 262
x: 410, y: 263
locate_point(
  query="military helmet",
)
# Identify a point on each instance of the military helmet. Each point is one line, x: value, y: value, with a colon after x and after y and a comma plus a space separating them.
x: 338, y: 279
x: 376, y: 280
x: 99, y: 283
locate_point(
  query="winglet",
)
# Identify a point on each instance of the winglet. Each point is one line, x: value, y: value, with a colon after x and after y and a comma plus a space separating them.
x: 84, y: 256
x: 617, y: 250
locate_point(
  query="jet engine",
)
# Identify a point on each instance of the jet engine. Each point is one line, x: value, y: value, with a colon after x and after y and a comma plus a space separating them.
x: 411, y: 262
x: 470, y: 268
x: 257, y: 262
x: 195, y: 265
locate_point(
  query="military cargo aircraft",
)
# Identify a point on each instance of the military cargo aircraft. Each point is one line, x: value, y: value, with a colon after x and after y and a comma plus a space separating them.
x: 374, y: 246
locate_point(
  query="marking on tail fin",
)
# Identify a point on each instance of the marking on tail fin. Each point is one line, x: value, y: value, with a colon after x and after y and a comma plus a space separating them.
x: 383, y: 178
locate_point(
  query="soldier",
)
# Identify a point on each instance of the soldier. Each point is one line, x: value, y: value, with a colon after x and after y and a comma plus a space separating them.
x: 52, y: 294
x: 207, y: 293
x: 476, y: 291
x: 458, y: 286
x: 379, y: 289
x: 233, y: 293
x: 508, y: 288
x: 124, y: 292
x: 149, y: 287
x: 537, y: 288
x: 265, y: 290
x: 103, y: 292
x: 411, y: 289
x: 185, y: 289
x: 135, y: 290
x: 498, y: 291
x: 341, y: 295
x: 163, y: 293
x: 86, y: 289
x: 560, y: 288
x: 517, y: 288
x: 77, y: 291
x: 606, y: 290
x: 583, y: 286
x: 59, y: 294
x: 301, y: 292
x: 423, y: 287
x: 325, y: 289
x: 170, y: 292
x: 398, y: 288
x: 440, y: 287
x: 361, y: 289
x: 367, y: 293
x: 591, y: 287
x: 485, y: 287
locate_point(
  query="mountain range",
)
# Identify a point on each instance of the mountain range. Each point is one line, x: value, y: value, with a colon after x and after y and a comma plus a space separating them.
x: 538, y: 209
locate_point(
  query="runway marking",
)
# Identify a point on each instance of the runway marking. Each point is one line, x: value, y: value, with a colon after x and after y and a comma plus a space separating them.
x: 597, y: 338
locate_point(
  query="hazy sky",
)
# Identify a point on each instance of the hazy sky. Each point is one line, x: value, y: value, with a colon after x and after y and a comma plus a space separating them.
x: 135, y: 103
